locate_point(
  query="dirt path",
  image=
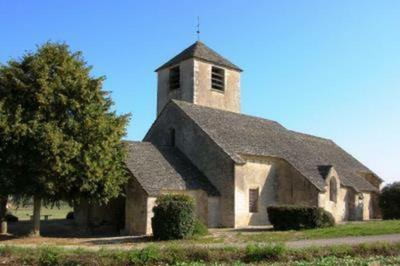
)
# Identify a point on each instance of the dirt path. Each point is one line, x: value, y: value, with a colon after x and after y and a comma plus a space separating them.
x: 104, y: 243
x: 392, y: 238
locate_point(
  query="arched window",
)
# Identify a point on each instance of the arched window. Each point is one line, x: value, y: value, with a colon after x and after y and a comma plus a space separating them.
x: 333, y: 189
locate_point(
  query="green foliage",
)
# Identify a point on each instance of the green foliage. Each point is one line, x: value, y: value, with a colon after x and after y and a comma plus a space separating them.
x: 286, y: 217
x: 49, y: 257
x: 200, y: 229
x: 374, y: 254
x: 60, y: 138
x: 174, y: 217
x: 389, y: 200
x: 148, y: 255
x: 256, y: 253
x: 70, y: 216
x: 10, y: 218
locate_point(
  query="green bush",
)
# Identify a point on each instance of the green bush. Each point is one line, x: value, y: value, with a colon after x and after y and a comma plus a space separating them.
x: 49, y: 257
x: 174, y: 217
x: 256, y: 253
x: 70, y: 216
x: 10, y: 218
x: 200, y: 229
x: 389, y: 201
x: 147, y: 255
x: 286, y: 217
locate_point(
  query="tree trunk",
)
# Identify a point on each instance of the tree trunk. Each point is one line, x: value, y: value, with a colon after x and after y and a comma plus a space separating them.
x: 3, y: 212
x: 37, y: 204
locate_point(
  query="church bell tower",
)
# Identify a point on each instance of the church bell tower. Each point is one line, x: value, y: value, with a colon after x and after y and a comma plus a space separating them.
x: 201, y: 76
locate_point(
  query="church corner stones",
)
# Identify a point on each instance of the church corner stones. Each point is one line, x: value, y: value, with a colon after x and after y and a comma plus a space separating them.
x: 234, y: 165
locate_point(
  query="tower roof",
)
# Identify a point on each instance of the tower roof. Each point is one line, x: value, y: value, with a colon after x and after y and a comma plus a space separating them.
x: 200, y: 51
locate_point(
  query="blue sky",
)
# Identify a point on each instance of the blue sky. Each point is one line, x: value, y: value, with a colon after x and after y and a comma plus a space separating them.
x: 329, y: 68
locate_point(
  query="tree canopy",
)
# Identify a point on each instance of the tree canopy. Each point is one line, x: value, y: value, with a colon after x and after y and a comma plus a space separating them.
x: 60, y: 137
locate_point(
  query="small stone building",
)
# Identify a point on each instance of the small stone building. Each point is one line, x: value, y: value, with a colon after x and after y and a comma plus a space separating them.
x: 233, y: 164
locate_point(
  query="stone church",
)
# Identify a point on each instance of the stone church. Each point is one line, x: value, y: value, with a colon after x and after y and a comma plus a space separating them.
x: 234, y: 165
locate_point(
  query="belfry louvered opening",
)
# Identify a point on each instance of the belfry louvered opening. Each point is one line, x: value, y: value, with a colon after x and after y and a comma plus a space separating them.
x: 174, y: 78
x: 218, y: 78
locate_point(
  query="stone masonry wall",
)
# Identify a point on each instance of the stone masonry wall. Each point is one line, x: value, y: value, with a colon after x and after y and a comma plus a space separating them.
x: 204, y: 95
x: 201, y: 151
x: 278, y: 183
x: 135, y: 209
x: 184, y: 93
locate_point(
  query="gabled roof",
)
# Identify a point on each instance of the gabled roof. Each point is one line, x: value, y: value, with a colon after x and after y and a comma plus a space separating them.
x: 200, y: 51
x: 164, y: 168
x: 239, y: 134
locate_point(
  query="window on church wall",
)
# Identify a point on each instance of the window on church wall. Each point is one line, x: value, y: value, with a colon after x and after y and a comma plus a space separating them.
x: 172, y: 137
x: 217, y: 78
x: 174, y: 78
x: 253, y: 200
x: 333, y: 190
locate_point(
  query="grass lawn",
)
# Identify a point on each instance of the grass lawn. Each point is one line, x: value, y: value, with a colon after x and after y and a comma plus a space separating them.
x: 373, y: 254
x: 341, y: 230
x: 24, y: 212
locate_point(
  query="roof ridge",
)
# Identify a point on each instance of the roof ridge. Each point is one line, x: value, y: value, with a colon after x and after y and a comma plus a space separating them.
x: 199, y: 51
x: 227, y: 111
x: 309, y: 135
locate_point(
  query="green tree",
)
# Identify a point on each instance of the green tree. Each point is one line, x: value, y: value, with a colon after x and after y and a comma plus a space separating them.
x: 389, y: 201
x: 10, y: 161
x: 64, y: 135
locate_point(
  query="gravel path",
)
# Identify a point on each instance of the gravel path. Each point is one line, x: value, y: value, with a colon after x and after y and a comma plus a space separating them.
x: 351, y: 240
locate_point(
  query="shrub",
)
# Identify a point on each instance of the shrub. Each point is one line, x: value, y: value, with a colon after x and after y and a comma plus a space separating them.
x: 49, y: 257
x: 10, y: 218
x: 389, y: 201
x: 200, y: 229
x: 256, y: 253
x: 286, y: 217
x: 70, y: 216
x: 147, y: 255
x: 174, y: 217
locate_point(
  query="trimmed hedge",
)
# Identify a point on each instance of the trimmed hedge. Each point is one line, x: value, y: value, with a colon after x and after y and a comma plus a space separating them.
x: 286, y: 217
x: 389, y: 201
x: 11, y: 218
x: 174, y: 217
x: 70, y: 216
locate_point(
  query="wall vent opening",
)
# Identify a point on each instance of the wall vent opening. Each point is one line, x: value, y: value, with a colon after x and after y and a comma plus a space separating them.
x: 218, y: 78
x: 174, y: 78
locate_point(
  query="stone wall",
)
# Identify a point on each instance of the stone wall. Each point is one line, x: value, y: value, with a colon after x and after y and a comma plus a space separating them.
x: 151, y: 202
x: 349, y: 205
x: 184, y: 93
x: 135, y: 209
x: 255, y: 174
x: 92, y: 216
x: 201, y: 151
x: 278, y: 183
x: 213, y: 212
x: 293, y: 187
x: 229, y: 99
x: 195, y: 87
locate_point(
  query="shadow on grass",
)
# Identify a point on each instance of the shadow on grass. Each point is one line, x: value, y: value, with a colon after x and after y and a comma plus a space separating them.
x: 253, y: 229
x: 59, y: 228
x: 120, y: 240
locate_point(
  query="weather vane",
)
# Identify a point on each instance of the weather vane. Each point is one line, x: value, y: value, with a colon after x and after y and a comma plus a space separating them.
x: 198, y: 28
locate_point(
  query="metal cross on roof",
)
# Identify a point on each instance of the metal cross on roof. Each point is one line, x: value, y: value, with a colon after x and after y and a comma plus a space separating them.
x: 198, y: 28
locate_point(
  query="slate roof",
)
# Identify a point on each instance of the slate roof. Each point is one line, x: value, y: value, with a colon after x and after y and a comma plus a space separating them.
x: 200, y: 51
x: 239, y: 134
x: 164, y: 168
